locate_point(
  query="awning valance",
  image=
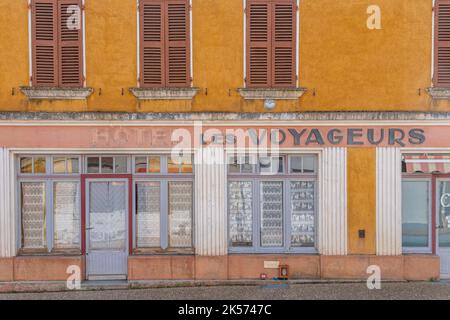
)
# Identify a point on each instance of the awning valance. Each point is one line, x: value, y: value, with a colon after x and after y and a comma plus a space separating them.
x: 426, y: 163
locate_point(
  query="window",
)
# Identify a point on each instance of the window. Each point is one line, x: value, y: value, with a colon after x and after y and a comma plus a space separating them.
x: 442, y: 44
x: 57, y: 43
x: 271, y: 43
x: 270, y: 208
x: 49, y: 204
x: 165, y: 43
x: 107, y: 164
x: 163, y: 204
x: 33, y: 165
x: 416, y: 207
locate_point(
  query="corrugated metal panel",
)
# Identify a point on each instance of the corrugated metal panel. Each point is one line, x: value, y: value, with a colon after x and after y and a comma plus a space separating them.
x: 7, y: 225
x: 389, y: 210
x: 333, y: 202
x: 210, y: 202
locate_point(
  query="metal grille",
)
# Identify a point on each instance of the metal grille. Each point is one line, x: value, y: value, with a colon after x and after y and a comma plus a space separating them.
x: 271, y: 214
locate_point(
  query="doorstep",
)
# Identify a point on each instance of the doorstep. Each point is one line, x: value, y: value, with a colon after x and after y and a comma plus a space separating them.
x: 60, y: 286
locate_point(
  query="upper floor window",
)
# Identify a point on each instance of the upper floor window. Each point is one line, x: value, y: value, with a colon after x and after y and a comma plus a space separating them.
x: 165, y: 43
x: 57, y: 43
x: 271, y: 43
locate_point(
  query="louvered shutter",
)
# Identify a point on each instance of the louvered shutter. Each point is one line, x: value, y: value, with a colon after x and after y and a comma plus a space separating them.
x: 177, y: 44
x: 70, y: 44
x: 44, y: 35
x: 258, y: 44
x: 442, y: 44
x: 152, y: 43
x: 284, y: 43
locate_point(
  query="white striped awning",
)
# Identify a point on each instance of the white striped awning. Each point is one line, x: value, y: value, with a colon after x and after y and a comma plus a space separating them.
x: 426, y: 163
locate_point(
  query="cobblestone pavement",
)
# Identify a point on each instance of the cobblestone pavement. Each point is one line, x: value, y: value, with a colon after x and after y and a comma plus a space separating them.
x: 424, y: 290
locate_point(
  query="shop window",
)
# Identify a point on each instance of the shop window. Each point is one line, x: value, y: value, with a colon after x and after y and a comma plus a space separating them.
x: 49, y: 205
x: 163, y: 204
x: 416, y: 208
x: 33, y: 205
x: 272, y: 213
x: 66, y: 213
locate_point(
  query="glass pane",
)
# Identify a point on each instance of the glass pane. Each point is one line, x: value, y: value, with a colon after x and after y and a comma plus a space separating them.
x: 107, y: 211
x: 33, y: 215
x: 26, y: 165
x: 59, y: 165
x: 180, y: 214
x: 121, y: 164
x: 39, y: 165
x: 172, y: 167
x: 93, y: 165
x: 416, y: 206
x: 66, y: 215
x: 107, y: 165
x: 233, y: 166
x: 444, y: 214
x: 140, y: 164
x: 271, y: 165
x: 302, y: 213
x: 248, y: 164
x: 154, y: 165
x: 240, y: 211
x: 73, y: 165
x: 296, y: 164
x: 271, y: 214
x: 148, y: 211
x: 186, y: 167
x: 309, y: 164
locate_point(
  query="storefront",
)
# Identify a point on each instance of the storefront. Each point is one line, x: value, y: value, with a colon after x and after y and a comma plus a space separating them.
x: 203, y: 198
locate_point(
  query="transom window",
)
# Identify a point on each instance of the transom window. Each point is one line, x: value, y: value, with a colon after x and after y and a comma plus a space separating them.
x: 107, y: 164
x: 272, y: 203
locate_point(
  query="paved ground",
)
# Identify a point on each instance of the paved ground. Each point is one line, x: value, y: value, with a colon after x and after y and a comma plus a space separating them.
x: 422, y: 291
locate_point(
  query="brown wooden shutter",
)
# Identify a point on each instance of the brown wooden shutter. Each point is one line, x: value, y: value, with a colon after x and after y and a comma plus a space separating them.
x: 70, y: 46
x: 442, y: 44
x: 44, y: 35
x: 284, y: 43
x: 258, y: 44
x: 177, y: 43
x: 152, y: 43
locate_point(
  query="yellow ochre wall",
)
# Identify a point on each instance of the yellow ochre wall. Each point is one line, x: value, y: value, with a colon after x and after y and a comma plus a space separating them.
x: 361, y: 197
x: 344, y: 65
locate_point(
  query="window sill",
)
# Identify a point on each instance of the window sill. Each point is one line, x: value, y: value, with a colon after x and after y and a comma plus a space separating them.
x: 158, y: 251
x: 164, y: 93
x: 45, y: 253
x: 439, y: 93
x: 272, y: 93
x: 38, y: 93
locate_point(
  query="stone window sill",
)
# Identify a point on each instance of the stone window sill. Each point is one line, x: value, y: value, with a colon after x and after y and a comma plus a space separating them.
x: 439, y: 93
x: 272, y: 93
x: 38, y: 93
x: 164, y: 93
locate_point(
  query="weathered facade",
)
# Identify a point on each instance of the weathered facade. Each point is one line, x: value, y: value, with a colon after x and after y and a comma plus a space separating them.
x: 357, y: 113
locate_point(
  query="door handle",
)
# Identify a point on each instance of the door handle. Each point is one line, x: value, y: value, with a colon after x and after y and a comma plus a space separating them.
x: 90, y: 228
x: 439, y: 227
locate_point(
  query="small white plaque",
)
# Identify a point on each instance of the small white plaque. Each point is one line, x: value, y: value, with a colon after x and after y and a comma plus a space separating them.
x: 271, y: 264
